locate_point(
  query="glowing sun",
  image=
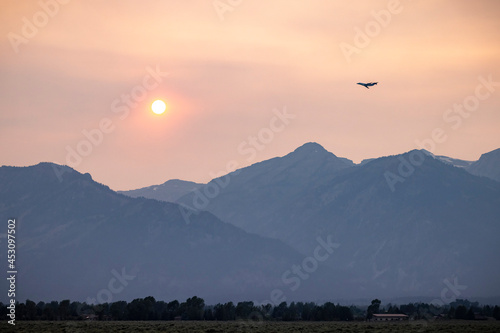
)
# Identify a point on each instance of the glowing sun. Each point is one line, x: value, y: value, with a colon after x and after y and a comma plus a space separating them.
x: 158, y: 106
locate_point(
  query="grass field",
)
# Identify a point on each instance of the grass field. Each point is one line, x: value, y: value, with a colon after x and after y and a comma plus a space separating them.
x: 243, y: 327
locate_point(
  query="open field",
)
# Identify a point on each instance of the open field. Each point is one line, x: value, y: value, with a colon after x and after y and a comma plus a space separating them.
x: 242, y: 327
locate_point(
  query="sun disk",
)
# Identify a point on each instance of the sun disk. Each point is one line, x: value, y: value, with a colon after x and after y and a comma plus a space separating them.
x: 158, y: 106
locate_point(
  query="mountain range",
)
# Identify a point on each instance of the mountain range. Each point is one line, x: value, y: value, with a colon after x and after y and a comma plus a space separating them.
x: 305, y: 226
x: 434, y: 212
x: 169, y: 191
x: 77, y: 239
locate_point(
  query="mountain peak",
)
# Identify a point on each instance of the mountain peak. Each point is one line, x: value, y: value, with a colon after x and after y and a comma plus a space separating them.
x: 169, y: 191
x: 310, y: 147
x: 314, y: 151
x: 487, y: 165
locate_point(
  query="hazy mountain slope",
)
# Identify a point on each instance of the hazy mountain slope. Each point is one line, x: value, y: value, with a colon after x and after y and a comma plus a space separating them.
x: 449, y: 160
x: 488, y: 165
x: 402, y: 230
x: 454, y: 161
x: 74, y: 236
x: 249, y: 195
x: 169, y: 191
x: 439, y: 221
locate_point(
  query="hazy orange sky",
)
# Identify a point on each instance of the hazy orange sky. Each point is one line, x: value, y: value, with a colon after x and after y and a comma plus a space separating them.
x: 247, y: 80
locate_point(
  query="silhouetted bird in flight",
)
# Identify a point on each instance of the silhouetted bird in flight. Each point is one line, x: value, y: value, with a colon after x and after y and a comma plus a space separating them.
x: 367, y: 85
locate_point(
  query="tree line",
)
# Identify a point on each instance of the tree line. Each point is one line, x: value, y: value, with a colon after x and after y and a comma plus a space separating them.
x: 194, y: 308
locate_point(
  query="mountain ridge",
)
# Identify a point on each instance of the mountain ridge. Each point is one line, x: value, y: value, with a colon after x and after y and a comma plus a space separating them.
x: 313, y: 147
x: 170, y: 191
x: 403, y: 223
x: 346, y: 202
x: 75, y: 234
x: 488, y: 165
